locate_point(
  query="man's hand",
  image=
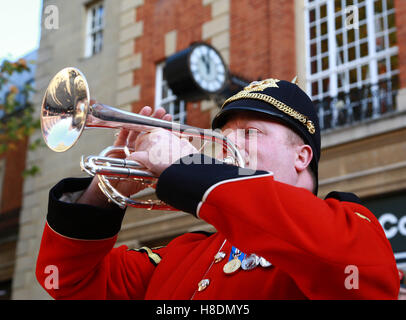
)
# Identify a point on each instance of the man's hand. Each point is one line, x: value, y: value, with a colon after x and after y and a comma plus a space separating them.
x: 158, y: 149
x: 93, y: 195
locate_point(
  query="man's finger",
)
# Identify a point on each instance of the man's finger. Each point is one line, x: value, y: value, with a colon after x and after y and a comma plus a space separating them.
x: 145, y: 111
x: 159, y: 113
x: 121, y: 139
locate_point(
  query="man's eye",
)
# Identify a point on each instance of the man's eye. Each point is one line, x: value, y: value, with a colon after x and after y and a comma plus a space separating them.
x: 251, y: 132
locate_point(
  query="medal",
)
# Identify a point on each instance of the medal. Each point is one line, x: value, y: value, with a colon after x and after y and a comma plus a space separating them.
x: 235, y: 263
x: 232, y: 265
x: 250, y: 262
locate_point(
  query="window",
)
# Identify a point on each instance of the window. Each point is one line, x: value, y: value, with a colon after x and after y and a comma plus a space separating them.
x: 352, y: 61
x: 165, y: 98
x: 95, y: 25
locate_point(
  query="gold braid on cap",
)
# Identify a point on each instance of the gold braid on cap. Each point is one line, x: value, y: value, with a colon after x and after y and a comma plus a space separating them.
x: 247, y: 93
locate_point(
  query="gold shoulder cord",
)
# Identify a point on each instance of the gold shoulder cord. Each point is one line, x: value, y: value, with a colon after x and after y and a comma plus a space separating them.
x: 362, y: 216
x: 154, y: 257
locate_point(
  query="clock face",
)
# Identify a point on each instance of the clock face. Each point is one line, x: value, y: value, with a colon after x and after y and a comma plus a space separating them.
x: 208, y: 69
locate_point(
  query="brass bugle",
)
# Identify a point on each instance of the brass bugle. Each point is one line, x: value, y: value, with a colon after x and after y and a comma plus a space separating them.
x: 66, y: 111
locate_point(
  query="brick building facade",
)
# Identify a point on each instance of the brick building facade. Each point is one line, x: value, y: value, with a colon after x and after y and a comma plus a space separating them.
x: 257, y: 39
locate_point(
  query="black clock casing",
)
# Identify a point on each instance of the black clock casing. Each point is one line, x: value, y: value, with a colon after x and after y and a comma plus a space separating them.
x: 196, y: 73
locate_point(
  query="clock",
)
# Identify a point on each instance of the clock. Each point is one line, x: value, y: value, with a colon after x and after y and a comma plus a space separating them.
x: 207, y: 68
x: 196, y: 73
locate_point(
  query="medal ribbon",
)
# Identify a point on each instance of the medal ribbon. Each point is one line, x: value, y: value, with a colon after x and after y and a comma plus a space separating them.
x: 236, y: 253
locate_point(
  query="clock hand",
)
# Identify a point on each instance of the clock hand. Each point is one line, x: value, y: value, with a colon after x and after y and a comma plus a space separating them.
x: 206, y: 63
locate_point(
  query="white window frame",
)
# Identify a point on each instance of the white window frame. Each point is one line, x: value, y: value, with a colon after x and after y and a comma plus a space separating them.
x: 165, y: 98
x: 95, y: 16
x: 335, y: 69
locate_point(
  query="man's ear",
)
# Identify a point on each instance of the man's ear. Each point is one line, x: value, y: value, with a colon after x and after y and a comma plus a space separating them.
x: 304, y: 155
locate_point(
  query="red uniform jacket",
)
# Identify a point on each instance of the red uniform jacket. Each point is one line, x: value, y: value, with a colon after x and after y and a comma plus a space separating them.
x: 319, y: 249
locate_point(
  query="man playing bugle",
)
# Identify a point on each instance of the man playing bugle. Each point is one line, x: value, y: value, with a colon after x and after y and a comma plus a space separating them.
x: 275, y: 238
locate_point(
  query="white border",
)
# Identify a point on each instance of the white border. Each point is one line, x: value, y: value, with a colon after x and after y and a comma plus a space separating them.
x: 206, y: 194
